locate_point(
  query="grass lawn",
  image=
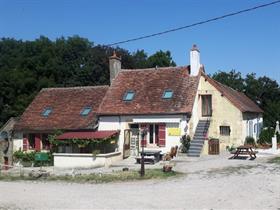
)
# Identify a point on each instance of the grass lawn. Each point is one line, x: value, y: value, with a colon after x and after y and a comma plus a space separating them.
x: 102, y: 178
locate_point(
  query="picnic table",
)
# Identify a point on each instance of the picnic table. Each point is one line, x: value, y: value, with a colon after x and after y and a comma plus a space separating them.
x: 244, y: 150
x: 150, y: 156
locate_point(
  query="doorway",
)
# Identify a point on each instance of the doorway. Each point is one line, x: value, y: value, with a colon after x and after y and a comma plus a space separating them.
x: 206, y: 105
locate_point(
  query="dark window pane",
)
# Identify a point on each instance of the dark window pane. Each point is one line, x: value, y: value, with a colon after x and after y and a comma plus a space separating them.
x: 151, y: 134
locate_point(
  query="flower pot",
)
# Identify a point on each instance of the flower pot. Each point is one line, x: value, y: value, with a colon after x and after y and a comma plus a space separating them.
x: 167, y: 168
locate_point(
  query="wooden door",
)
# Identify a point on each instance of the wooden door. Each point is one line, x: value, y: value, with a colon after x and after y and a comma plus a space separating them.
x: 213, y: 147
x: 206, y: 105
x: 126, y: 144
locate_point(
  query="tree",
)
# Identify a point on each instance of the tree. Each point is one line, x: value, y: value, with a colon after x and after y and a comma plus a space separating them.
x: 263, y: 91
x: 160, y: 59
x: 28, y: 66
x: 232, y: 79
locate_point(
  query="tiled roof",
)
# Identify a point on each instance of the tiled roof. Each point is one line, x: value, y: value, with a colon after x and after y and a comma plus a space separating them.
x: 66, y: 105
x: 238, y: 99
x: 88, y: 135
x: 149, y: 86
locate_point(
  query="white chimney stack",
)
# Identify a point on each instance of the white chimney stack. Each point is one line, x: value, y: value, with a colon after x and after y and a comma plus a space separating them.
x: 195, y: 60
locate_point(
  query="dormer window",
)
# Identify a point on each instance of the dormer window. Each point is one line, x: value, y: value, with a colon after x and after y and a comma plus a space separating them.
x: 47, y: 111
x: 129, y: 95
x: 167, y: 94
x: 85, y: 111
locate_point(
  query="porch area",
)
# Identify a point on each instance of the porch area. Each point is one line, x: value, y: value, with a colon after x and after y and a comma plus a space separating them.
x: 86, y: 149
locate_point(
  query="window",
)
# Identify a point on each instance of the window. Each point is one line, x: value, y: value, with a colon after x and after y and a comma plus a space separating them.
x: 85, y: 111
x: 167, y: 94
x: 224, y: 130
x: 153, y: 134
x: 47, y: 112
x: 255, y: 127
x: 129, y: 95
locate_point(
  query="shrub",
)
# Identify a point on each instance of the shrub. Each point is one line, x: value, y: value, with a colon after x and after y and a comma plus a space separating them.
x: 250, y: 140
x: 266, y: 136
x: 25, y: 157
x: 231, y: 148
x: 185, y: 141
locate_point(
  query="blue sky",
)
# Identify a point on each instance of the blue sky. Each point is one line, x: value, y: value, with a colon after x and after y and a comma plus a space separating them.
x: 248, y: 43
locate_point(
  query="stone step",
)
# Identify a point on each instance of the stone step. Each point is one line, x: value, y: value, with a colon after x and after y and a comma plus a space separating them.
x: 196, y: 146
x: 193, y: 155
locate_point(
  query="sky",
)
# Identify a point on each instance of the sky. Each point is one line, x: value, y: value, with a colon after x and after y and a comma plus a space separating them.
x: 248, y: 43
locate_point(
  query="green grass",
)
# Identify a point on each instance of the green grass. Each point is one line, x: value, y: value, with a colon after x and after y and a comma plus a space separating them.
x: 275, y: 160
x: 102, y: 178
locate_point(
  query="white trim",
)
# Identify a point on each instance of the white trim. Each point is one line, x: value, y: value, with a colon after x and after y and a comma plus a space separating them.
x: 156, y: 120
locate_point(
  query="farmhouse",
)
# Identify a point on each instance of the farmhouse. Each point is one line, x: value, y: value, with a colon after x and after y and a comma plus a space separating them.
x: 168, y: 102
x: 172, y: 102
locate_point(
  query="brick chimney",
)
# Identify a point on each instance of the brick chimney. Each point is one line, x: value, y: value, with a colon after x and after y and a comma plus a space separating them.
x: 195, y: 60
x: 114, y: 66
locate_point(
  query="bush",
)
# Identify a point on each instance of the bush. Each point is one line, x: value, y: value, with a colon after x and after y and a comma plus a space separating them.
x: 266, y: 136
x: 185, y: 141
x: 250, y: 140
x: 24, y: 156
x: 29, y: 157
x: 230, y: 148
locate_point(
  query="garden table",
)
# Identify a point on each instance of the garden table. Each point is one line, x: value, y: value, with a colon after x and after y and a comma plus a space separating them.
x: 244, y: 150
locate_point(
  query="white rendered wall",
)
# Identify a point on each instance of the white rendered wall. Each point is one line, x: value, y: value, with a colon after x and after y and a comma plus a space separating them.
x: 255, y: 119
x: 17, y: 144
x: 121, y: 123
x: 70, y: 160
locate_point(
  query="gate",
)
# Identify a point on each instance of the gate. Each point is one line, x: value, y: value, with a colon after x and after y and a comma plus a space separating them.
x: 213, y: 147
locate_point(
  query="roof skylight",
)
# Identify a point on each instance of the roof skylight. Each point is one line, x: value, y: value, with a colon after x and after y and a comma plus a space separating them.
x: 129, y: 95
x: 47, y: 111
x: 86, y: 111
x: 167, y: 94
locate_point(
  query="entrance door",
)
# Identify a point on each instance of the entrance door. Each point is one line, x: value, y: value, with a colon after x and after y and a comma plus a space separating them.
x: 206, y: 105
x: 126, y: 146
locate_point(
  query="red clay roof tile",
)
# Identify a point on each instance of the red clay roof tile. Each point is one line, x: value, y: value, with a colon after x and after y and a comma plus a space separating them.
x: 66, y: 104
x: 149, y: 85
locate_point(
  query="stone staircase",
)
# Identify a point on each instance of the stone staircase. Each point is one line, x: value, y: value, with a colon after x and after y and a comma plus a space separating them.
x: 198, y: 139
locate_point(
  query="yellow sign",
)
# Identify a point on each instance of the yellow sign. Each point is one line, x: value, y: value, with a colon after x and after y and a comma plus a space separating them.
x: 174, y: 131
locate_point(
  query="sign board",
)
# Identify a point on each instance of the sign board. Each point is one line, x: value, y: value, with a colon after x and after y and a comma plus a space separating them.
x: 41, y: 156
x: 174, y: 131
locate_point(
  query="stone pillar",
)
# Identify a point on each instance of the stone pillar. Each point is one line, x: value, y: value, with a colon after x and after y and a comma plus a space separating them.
x: 274, y: 143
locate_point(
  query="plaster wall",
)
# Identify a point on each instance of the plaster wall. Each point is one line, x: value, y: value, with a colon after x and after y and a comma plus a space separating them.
x: 224, y: 113
x: 71, y: 160
x: 122, y: 122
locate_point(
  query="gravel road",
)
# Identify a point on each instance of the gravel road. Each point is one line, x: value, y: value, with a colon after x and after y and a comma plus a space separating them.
x: 208, y: 184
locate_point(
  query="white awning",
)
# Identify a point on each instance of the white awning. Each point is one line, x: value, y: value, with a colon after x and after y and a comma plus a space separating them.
x: 156, y: 120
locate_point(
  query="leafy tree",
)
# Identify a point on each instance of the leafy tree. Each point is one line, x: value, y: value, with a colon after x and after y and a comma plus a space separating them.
x: 28, y: 66
x: 263, y: 91
x: 232, y: 79
x: 160, y: 59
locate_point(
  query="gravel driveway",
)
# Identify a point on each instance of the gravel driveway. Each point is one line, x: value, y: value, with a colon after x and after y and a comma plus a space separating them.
x: 209, y: 183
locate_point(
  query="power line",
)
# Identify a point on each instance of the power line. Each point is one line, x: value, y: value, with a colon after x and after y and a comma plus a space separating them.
x: 195, y: 24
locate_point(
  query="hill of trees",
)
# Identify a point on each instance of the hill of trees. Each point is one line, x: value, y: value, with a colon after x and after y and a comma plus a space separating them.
x: 28, y: 66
